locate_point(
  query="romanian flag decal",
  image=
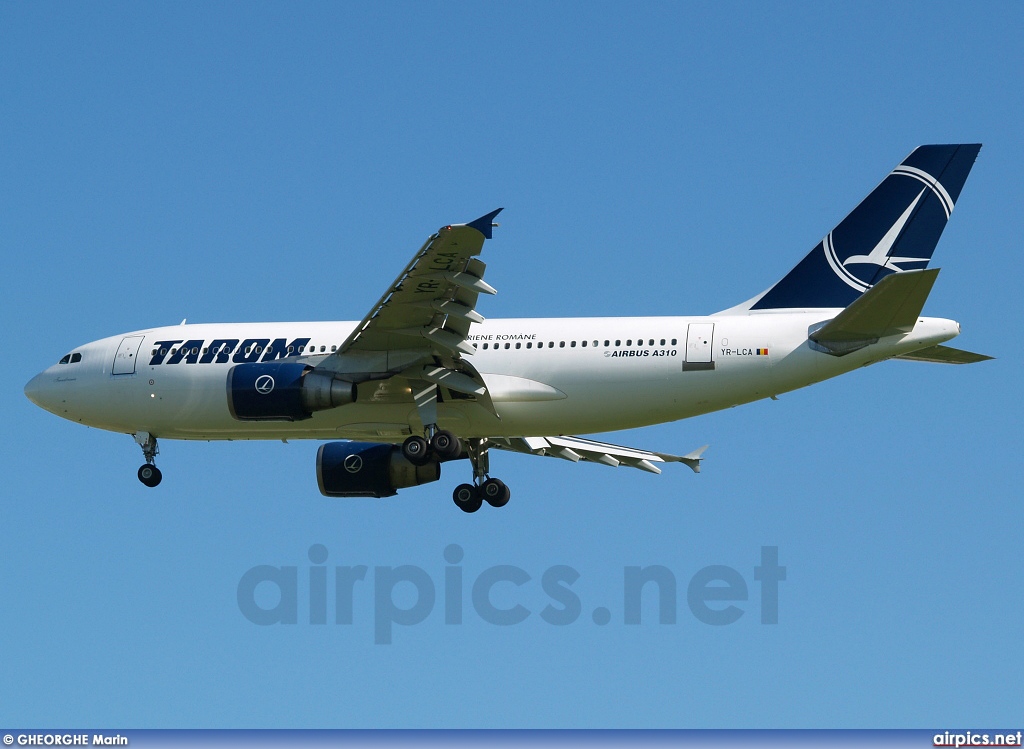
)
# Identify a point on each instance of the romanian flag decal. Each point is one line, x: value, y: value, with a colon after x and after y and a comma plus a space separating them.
x: 762, y: 352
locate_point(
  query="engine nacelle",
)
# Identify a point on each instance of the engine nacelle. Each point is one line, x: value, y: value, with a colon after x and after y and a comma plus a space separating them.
x: 283, y: 391
x: 368, y: 469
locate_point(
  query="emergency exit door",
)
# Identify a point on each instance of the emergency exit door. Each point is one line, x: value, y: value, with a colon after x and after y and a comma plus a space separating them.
x: 699, y: 352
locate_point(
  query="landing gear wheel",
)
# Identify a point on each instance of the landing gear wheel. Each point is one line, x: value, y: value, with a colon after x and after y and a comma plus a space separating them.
x: 495, y: 492
x: 415, y: 450
x: 467, y: 498
x: 446, y: 446
x: 150, y: 475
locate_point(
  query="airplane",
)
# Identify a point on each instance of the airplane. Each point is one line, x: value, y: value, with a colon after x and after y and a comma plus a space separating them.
x: 424, y: 379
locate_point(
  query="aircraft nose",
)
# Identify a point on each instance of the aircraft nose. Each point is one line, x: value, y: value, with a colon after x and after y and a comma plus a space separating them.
x: 40, y: 390
x: 34, y: 389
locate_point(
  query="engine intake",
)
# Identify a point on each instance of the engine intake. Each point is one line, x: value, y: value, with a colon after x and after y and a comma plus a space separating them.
x: 368, y: 469
x: 283, y: 391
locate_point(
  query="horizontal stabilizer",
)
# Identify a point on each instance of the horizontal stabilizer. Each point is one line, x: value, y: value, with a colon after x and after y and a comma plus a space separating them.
x: 890, y: 307
x: 945, y: 355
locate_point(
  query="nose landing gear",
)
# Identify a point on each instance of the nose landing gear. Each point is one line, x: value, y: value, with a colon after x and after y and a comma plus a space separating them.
x: 149, y: 474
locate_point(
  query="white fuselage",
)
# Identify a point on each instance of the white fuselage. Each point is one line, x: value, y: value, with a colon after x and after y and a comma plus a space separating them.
x: 595, y: 377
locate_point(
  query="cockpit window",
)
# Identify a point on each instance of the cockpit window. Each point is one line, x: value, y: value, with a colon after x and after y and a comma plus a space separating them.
x: 75, y: 358
x: 66, y: 359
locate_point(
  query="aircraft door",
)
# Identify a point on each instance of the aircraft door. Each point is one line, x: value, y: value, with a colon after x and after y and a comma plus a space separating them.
x: 699, y: 353
x: 127, y: 353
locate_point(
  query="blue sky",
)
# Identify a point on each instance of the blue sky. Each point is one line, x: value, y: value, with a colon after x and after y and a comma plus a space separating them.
x: 230, y: 162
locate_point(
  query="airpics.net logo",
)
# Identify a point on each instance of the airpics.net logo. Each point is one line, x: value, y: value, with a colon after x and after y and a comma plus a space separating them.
x: 407, y: 595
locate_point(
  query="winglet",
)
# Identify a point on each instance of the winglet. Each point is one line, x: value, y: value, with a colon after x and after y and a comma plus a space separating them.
x: 694, y: 458
x: 691, y: 459
x: 483, y: 224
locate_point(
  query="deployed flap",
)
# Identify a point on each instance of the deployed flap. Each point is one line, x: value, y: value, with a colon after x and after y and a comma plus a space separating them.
x: 944, y: 355
x: 577, y: 449
x: 890, y: 307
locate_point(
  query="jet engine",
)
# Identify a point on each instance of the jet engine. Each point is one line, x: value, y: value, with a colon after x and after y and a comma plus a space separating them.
x: 368, y: 469
x: 283, y: 391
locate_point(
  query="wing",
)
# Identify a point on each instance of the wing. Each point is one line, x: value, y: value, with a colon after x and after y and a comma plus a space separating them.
x: 577, y: 449
x: 418, y: 328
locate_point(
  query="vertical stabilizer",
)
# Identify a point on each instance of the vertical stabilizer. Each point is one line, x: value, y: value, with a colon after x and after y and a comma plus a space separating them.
x: 894, y: 229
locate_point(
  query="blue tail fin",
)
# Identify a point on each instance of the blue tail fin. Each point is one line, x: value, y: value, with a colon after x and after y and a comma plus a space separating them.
x: 894, y: 229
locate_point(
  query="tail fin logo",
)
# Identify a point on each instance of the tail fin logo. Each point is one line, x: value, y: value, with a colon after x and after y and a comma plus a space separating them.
x: 880, y: 257
x: 895, y: 229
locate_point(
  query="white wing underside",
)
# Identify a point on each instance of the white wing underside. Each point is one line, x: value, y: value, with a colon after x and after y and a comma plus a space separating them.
x: 577, y: 449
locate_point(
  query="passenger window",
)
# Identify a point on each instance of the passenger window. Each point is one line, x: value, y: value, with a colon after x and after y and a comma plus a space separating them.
x: 519, y: 345
x: 595, y: 343
x: 66, y: 359
x: 583, y: 344
x: 606, y: 343
x: 572, y: 344
x: 508, y: 345
x: 75, y: 358
x: 618, y: 342
x: 629, y: 341
x: 662, y: 341
x: 333, y: 349
x: 529, y: 344
x: 551, y: 344
x: 485, y: 347
x: 561, y: 344
x: 323, y: 348
x: 673, y: 341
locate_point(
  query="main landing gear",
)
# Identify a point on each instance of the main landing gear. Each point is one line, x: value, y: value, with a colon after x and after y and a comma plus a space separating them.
x: 470, y: 497
x: 149, y: 474
x: 443, y: 445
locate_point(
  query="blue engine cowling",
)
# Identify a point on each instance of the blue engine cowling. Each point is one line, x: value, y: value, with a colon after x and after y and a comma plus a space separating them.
x: 283, y: 391
x: 368, y: 469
